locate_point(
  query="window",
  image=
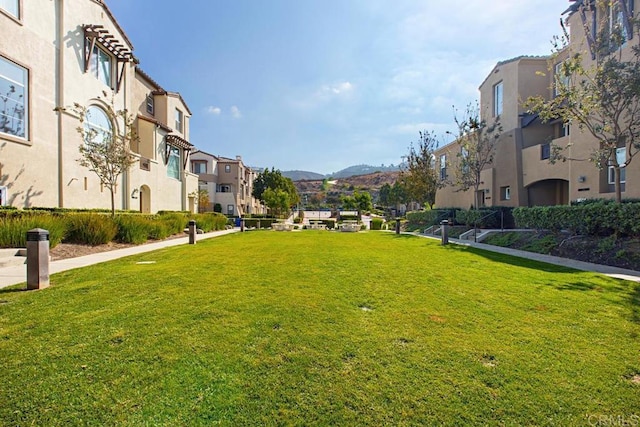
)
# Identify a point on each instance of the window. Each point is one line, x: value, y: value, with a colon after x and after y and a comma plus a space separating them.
x: 199, y: 167
x: 12, y: 7
x: 443, y: 167
x: 618, y: 27
x: 227, y: 168
x: 150, y: 104
x: 505, y: 193
x: 223, y: 188
x: 173, y: 163
x: 100, y: 65
x: 14, y: 83
x: 498, y: 92
x: 562, y: 80
x: 230, y: 209
x: 621, y: 157
x: 97, y: 126
x: 545, y: 151
x: 179, y: 118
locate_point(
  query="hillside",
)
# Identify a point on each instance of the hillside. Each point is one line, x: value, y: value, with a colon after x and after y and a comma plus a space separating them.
x: 342, y: 186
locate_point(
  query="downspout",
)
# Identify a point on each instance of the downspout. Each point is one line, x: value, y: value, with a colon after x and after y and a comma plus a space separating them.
x: 60, y: 96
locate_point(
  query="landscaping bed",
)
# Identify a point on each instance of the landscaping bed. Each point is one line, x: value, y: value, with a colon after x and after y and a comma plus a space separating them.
x: 623, y: 252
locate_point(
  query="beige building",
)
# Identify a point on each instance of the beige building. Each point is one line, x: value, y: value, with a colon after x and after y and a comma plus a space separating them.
x: 521, y: 174
x: 228, y: 182
x: 54, y: 54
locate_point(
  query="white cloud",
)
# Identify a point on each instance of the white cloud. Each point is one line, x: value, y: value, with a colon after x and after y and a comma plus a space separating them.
x: 235, y: 112
x: 337, y: 89
x: 214, y: 110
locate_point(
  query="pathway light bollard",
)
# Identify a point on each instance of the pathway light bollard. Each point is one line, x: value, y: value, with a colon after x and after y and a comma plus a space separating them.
x: 37, y: 259
x: 397, y: 225
x: 192, y: 232
x: 444, y: 231
x: 242, y: 225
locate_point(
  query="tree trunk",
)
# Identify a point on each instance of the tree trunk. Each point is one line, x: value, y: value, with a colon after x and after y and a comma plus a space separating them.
x: 618, y: 184
x: 113, y: 202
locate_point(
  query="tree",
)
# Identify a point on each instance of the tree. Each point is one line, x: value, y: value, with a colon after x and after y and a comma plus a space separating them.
x: 106, y: 152
x: 384, y: 194
x: 599, y: 92
x: 203, y: 200
x: 361, y: 201
x: 477, y: 140
x: 419, y: 174
x: 277, y: 200
x: 274, y: 180
x: 398, y: 194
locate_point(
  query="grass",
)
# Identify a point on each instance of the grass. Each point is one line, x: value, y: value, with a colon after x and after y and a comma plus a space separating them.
x: 320, y: 328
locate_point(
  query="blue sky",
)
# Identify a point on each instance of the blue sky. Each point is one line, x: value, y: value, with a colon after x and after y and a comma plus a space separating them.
x: 320, y: 85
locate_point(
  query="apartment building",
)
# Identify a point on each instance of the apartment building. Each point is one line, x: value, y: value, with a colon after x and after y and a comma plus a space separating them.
x: 54, y: 54
x: 228, y: 182
x: 521, y: 173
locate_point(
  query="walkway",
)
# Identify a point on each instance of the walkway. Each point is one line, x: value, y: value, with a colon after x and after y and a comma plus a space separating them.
x: 14, y: 275
x: 618, y: 273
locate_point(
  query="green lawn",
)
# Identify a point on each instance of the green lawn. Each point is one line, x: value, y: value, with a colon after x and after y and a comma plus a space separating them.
x: 320, y: 328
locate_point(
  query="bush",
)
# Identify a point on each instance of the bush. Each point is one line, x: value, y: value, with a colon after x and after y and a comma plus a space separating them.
x: 134, y: 229
x: 263, y: 222
x: 90, y: 228
x: 13, y: 229
x: 376, y: 223
x: 599, y: 218
x: 174, y: 222
x: 210, y: 221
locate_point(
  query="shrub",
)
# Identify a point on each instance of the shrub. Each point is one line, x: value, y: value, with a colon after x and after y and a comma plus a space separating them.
x: 376, y: 223
x: 174, y: 222
x: 133, y: 228
x: 13, y: 229
x: 598, y: 218
x: 90, y: 228
x: 210, y: 221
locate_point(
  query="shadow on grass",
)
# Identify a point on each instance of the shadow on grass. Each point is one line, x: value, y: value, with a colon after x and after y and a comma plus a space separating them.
x: 11, y: 290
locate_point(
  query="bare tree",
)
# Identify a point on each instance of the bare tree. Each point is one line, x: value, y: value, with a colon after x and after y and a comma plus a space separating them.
x: 106, y: 152
x: 477, y: 140
x: 599, y: 90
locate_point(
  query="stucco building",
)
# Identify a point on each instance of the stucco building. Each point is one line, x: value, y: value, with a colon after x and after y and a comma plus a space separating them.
x: 228, y: 182
x: 521, y: 173
x: 54, y: 54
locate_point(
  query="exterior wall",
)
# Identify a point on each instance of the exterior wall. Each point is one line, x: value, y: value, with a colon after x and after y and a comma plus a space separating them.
x: 520, y: 78
x: 42, y: 169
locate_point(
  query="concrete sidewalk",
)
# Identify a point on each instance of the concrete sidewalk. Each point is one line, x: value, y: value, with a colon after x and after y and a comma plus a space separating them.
x: 618, y: 273
x: 18, y: 274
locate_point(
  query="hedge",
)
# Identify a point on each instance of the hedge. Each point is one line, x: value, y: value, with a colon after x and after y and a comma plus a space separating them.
x: 596, y: 219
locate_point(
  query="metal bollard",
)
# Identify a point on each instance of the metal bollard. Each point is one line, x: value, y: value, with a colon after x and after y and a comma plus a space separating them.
x: 444, y: 231
x: 192, y: 232
x: 37, y: 259
x: 397, y: 226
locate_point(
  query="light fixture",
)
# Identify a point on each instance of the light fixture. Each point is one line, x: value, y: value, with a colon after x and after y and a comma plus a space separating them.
x: 134, y: 193
x: 582, y: 178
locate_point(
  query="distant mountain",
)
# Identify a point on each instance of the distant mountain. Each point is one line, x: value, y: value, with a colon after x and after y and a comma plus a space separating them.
x: 356, y: 170
x: 302, y: 175
x: 362, y: 170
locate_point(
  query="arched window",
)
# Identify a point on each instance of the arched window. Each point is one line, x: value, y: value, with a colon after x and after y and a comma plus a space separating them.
x: 97, y: 125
